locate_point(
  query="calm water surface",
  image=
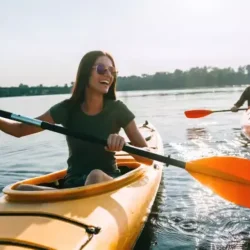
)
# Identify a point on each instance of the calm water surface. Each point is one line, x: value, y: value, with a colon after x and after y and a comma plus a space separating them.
x: 185, y: 215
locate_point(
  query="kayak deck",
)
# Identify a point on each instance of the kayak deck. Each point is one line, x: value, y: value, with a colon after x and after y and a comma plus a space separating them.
x: 108, y: 215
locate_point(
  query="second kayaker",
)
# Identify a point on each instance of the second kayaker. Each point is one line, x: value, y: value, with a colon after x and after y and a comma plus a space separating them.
x: 245, y: 96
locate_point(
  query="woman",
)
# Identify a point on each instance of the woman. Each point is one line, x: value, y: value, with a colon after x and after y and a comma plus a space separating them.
x: 94, y: 110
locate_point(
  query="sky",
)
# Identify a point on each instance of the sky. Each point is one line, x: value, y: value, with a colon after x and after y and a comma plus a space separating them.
x: 43, y: 41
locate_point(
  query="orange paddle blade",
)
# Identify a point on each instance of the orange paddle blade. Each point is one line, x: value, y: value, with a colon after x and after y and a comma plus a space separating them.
x: 197, y: 113
x: 229, y: 177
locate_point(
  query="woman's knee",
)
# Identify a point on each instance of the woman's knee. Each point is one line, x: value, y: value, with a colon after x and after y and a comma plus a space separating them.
x: 96, y: 176
x: 96, y: 173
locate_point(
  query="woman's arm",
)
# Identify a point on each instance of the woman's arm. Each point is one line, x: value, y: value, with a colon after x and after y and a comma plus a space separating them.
x: 243, y: 98
x: 19, y: 129
x: 137, y: 140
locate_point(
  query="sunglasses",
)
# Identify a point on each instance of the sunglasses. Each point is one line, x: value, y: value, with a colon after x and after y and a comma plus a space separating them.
x: 101, y: 69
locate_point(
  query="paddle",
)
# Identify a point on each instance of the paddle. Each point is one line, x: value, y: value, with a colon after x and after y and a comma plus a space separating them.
x: 227, y: 176
x: 198, y: 113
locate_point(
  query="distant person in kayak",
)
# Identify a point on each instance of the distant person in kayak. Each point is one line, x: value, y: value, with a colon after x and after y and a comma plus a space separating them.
x: 245, y: 96
x: 92, y: 109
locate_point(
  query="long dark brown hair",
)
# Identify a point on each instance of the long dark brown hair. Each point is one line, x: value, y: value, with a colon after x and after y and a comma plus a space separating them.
x: 83, y: 75
x: 82, y: 82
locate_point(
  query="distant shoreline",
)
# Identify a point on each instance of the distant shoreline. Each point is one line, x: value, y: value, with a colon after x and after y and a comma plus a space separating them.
x: 206, y: 77
x: 44, y: 91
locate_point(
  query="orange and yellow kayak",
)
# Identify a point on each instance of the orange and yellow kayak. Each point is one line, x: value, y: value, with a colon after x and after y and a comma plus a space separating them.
x: 109, y: 215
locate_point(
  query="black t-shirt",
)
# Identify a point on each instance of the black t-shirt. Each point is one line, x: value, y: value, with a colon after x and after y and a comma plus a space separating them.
x: 85, y: 156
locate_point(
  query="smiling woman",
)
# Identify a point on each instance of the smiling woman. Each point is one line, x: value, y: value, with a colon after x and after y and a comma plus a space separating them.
x: 92, y: 109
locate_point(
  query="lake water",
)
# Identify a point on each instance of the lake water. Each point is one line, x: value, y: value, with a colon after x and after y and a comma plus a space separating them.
x: 186, y: 215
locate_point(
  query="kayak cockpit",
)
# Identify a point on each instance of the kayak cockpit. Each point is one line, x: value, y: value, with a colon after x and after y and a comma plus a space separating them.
x: 132, y: 171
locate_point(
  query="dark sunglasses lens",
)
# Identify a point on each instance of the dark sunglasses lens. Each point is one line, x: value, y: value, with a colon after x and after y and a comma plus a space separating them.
x: 100, y: 69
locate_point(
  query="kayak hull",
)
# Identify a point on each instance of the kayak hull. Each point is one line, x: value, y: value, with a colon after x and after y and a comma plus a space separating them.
x: 245, y: 124
x: 107, y: 215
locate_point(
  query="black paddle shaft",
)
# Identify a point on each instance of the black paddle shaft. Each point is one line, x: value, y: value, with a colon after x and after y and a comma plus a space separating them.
x: 227, y: 110
x: 65, y: 131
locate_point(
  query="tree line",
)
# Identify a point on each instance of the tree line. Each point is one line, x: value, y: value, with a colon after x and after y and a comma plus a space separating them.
x: 193, y: 78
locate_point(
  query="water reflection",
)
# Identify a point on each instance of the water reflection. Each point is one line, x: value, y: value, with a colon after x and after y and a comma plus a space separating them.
x: 244, y: 142
x: 196, y: 133
x: 188, y: 92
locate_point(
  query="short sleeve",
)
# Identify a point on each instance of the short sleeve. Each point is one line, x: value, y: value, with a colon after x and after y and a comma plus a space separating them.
x: 125, y: 116
x: 59, y: 112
